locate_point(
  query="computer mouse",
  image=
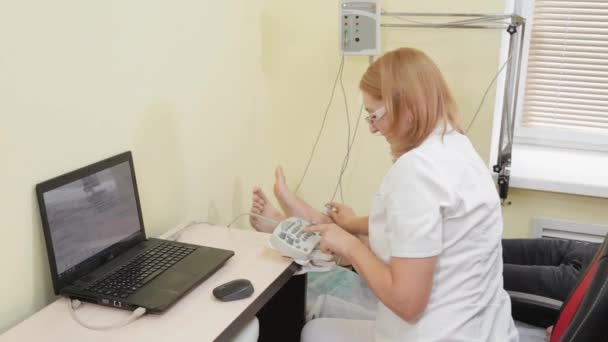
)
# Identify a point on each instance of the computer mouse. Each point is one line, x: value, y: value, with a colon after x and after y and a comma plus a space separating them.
x: 233, y: 290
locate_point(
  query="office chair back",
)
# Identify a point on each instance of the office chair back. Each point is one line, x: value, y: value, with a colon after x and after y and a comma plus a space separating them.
x: 583, y: 314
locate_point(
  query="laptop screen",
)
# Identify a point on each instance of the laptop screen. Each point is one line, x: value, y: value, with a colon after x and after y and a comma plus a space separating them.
x: 90, y: 214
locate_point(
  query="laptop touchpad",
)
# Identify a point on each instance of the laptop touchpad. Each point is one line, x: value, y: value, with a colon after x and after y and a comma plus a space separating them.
x: 175, y: 281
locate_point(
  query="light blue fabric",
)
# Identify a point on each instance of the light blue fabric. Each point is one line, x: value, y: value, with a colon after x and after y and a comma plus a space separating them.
x: 339, y: 293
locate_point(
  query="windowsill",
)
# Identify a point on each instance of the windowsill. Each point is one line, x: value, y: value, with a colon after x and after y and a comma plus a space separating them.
x: 559, y: 170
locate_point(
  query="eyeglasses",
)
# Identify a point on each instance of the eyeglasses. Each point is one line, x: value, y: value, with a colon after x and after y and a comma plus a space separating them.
x: 375, y: 116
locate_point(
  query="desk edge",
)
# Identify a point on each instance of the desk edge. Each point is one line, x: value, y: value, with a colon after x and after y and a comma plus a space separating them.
x: 235, y: 326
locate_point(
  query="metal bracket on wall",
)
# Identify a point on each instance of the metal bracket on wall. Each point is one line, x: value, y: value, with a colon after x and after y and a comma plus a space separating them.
x: 515, y: 26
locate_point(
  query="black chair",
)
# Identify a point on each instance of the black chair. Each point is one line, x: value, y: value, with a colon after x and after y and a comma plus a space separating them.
x: 581, y: 317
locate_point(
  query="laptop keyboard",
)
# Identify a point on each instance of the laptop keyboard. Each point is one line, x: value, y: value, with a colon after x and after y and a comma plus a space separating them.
x: 130, y: 277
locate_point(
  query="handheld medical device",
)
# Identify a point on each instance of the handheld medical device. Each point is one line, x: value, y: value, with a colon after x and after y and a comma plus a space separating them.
x: 290, y: 239
x: 360, y: 27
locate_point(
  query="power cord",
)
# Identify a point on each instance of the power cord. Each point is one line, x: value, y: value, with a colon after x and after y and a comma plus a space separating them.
x: 350, y: 141
x: 180, y: 231
x: 74, y: 304
x: 314, y: 147
x: 445, y: 23
x: 483, y: 99
x: 178, y: 234
x: 347, y: 156
x: 348, y: 128
x: 269, y: 220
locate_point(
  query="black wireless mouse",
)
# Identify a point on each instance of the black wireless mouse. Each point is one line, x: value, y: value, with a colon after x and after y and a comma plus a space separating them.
x: 233, y: 290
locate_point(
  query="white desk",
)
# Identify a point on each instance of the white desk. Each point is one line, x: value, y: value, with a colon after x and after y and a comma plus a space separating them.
x: 198, y: 316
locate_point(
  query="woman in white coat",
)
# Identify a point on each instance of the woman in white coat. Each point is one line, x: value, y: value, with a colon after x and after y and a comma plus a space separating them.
x: 434, y: 257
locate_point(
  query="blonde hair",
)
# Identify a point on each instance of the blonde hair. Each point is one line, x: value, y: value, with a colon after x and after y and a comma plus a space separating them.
x: 415, y: 95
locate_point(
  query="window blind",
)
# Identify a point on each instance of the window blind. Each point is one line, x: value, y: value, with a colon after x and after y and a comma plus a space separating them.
x: 567, y: 75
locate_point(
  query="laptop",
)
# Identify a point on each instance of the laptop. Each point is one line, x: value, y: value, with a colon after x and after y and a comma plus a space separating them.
x: 97, y: 246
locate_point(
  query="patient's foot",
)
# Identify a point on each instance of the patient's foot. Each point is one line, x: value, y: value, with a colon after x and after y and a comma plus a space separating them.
x: 291, y: 204
x: 281, y: 191
x: 261, y: 206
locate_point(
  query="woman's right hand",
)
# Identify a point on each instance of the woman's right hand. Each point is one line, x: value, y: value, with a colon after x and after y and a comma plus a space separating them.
x: 341, y: 214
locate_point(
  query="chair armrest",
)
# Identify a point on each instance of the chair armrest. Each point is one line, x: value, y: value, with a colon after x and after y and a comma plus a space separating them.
x: 534, y: 309
x: 535, y: 300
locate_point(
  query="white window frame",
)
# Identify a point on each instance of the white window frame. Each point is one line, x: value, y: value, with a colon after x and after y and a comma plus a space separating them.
x: 547, y: 159
x: 543, y: 136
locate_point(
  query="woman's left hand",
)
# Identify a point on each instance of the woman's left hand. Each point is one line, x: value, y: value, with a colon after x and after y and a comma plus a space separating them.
x: 334, y: 239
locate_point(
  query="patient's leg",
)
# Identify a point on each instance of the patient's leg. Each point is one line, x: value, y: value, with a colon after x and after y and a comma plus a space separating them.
x: 292, y: 205
x: 548, y: 252
x: 261, y: 206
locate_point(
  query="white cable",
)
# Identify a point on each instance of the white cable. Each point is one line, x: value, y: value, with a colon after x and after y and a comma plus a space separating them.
x: 351, y: 142
x: 178, y: 234
x: 486, y: 92
x: 347, y: 135
x: 447, y: 23
x: 347, y: 156
x: 175, y: 236
x: 256, y: 215
x: 73, y: 304
x: 314, y: 146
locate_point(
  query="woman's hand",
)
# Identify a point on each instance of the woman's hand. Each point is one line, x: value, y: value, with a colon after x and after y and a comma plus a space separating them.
x: 341, y: 214
x: 334, y: 240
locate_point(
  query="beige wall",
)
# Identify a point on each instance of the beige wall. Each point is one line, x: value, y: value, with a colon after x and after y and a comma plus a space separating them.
x: 528, y: 204
x: 209, y: 96
x: 181, y: 84
x: 303, y: 75
x: 303, y: 72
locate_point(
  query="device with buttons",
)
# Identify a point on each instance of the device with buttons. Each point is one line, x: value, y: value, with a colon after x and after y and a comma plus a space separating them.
x: 290, y: 239
x: 360, y: 27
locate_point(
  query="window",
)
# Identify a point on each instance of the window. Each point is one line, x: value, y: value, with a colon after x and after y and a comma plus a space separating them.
x: 561, y: 124
x: 565, y: 98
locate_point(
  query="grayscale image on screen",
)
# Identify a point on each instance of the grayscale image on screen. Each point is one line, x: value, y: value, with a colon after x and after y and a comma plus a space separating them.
x: 91, y: 214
